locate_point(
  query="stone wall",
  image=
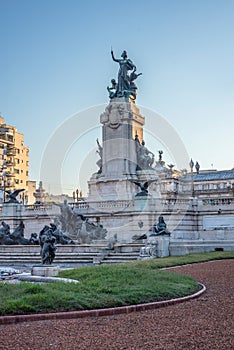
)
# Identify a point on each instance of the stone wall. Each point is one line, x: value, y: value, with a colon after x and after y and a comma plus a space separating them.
x: 35, y: 217
x: 185, y: 218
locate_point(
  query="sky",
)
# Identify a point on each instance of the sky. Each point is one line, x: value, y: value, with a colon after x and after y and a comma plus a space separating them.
x: 55, y: 65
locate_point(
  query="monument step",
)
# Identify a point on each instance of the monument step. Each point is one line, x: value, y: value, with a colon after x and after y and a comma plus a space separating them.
x: 123, y: 253
x: 57, y: 254
x: 120, y: 257
x: 120, y: 261
x: 93, y: 256
x: 62, y: 257
x: 59, y: 258
x: 38, y: 261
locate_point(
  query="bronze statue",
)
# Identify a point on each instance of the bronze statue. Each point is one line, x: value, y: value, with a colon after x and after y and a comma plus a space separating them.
x: 143, y: 186
x: 112, y: 89
x: 125, y: 85
x: 11, y: 195
x: 160, y: 228
x: 48, y: 250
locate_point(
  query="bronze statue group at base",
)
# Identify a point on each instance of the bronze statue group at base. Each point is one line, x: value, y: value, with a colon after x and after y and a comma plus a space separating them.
x: 69, y: 221
x: 125, y: 87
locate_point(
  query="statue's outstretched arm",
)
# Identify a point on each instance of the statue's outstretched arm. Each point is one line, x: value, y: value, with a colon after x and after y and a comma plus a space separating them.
x: 113, y: 57
x: 98, y: 143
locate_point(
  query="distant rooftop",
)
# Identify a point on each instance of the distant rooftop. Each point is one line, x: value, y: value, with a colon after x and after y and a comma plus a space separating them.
x: 206, y: 175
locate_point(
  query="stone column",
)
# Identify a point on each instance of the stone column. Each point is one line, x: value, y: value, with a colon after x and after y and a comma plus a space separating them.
x: 121, y: 121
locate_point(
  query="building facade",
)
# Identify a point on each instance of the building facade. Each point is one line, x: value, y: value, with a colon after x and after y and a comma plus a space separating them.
x: 14, y: 157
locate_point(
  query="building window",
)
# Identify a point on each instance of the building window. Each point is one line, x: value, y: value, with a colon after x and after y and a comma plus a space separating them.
x: 16, y: 171
x: 10, y: 138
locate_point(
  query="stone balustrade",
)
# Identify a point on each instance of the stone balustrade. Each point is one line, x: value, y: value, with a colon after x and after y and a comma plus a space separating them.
x: 38, y: 207
x: 217, y: 201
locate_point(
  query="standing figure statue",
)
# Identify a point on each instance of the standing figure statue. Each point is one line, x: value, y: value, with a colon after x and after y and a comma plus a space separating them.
x: 48, y: 247
x: 48, y: 250
x: 100, y: 152
x: 66, y: 216
x: 145, y: 158
x: 125, y: 81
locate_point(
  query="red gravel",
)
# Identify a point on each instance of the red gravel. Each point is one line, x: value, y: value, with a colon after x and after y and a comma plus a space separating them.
x: 200, y: 324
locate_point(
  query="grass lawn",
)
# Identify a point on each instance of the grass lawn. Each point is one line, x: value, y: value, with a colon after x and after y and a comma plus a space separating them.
x: 105, y: 286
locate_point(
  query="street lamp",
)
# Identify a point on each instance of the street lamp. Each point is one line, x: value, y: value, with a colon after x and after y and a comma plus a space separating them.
x: 4, y: 173
x: 191, y: 164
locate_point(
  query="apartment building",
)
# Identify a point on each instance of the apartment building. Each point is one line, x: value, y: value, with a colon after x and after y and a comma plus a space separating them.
x: 14, y: 158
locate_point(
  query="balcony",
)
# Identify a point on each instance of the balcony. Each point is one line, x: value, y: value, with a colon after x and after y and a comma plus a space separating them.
x: 11, y: 162
x: 7, y: 139
x: 11, y: 151
x: 9, y: 174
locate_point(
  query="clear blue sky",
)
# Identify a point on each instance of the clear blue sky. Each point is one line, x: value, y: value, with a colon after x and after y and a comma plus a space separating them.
x: 55, y: 61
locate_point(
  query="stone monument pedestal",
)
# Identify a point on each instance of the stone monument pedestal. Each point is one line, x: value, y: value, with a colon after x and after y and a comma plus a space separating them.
x: 45, y: 270
x: 11, y: 209
x: 163, y: 246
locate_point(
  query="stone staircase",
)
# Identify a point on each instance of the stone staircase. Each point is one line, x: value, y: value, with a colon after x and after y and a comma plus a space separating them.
x: 67, y: 259
x: 69, y: 255
x: 115, y: 257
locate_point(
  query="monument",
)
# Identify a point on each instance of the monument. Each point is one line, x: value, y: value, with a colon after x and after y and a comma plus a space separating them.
x: 123, y: 153
x: 132, y: 197
x: 120, y: 192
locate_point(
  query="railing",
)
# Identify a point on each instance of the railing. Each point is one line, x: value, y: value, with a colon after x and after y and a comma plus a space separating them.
x: 113, y: 204
x: 80, y: 205
x: 218, y: 201
x: 11, y: 151
x: 9, y: 174
x: 5, y: 137
x: 174, y: 201
x: 214, y: 190
x: 102, y: 204
x: 11, y: 162
x: 124, y: 204
x: 38, y: 207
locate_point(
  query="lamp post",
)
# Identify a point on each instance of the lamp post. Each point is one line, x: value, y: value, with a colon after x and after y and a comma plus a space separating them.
x: 4, y: 186
x: 191, y: 164
x: 4, y: 172
x: 74, y: 196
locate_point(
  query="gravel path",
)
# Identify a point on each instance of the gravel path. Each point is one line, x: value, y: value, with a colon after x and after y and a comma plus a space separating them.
x: 206, y: 323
